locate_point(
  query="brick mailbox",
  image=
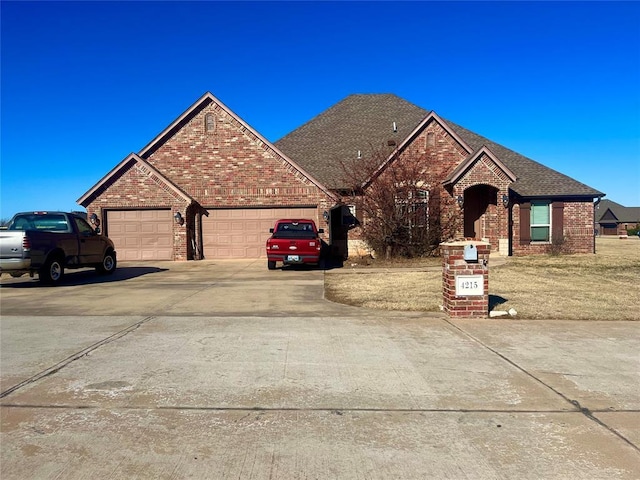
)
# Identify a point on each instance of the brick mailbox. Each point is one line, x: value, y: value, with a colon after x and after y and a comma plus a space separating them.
x: 465, y: 278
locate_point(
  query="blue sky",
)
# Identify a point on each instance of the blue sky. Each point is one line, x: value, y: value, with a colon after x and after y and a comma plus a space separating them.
x: 83, y: 84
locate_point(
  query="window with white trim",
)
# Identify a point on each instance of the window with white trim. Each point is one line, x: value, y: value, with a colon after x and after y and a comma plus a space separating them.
x: 540, y: 221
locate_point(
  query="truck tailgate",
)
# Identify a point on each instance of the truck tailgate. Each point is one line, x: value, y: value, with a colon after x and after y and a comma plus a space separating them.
x: 12, y: 255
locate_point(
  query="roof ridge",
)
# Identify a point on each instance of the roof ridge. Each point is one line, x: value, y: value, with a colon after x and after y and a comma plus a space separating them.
x: 343, y: 130
x: 341, y: 103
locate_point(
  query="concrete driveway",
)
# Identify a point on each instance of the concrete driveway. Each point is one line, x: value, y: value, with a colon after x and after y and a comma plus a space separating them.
x: 226, y: 370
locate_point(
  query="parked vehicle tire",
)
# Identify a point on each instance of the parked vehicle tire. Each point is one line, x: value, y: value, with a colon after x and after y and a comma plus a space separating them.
x: 271, y: 264
x: 108, y: 265
x: 52, y: 271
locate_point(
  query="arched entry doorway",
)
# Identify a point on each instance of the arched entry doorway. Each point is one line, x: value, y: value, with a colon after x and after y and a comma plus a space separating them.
x: 480, y: 203
x: 341, y: 220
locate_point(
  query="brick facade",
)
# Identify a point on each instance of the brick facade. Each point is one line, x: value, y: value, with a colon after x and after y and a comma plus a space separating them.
x: 492, y: 224
x: 209, y: 158
x: 139, y: 188
x: 488, y: 205
x: 578, y: 235
x: 454, y: 265
x: 231, y: 166
x: 217, y: 161
x: 437, y: 160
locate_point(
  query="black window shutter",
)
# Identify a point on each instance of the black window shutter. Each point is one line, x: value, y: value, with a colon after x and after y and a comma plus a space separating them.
x: 525, y: 223
x: 557, y: 219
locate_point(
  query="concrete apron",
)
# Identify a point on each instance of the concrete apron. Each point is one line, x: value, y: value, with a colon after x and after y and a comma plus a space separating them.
x: 225, y: 370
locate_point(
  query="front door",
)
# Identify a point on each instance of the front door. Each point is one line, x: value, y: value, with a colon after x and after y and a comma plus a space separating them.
x: 478, y: 201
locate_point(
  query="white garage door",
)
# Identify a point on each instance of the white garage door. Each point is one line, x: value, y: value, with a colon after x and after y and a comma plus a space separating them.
x: 243, y: 232
x: 141, y: 234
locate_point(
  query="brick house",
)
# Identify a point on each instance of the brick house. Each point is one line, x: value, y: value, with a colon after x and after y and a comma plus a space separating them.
x: 615, y: 219
x: 511, y: 201
x: 210, y: 186
x: 207, y: 186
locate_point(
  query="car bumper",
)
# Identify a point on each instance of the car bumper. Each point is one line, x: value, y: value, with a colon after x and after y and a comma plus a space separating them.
x: 295, y: 259
x: 14, y: 264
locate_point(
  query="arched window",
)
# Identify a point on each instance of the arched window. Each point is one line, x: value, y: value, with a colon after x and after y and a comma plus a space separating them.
x: 431, y: 139
x: 209, y: 123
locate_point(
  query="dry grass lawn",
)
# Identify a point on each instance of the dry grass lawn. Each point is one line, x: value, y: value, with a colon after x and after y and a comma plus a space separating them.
x: 604, y: 286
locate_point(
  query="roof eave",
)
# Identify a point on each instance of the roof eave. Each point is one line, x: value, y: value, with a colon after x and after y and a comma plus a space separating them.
x: 132, y: 157
x: 431, y: 116
x: 167, y: 132
x: 564, y: 196
x: 464, y: 167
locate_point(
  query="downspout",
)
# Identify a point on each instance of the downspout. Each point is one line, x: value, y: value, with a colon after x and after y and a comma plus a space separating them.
x: 199, y: 233
x: 510, y: 227
x: 595, y: 206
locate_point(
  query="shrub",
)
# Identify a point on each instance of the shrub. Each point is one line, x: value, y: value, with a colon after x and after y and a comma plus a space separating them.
x: 558, y: 246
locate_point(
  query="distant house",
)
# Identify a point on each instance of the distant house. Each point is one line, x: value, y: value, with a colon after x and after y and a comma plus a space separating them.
x: 210, y: 186
x: 614, y: 219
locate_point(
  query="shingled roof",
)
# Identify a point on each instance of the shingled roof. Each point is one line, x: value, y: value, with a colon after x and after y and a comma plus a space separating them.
x: 362, y: 121
x: 619, y: 212
x: 357, y: 123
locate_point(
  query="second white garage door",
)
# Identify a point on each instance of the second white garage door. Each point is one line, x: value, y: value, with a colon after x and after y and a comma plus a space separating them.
x: 243, y: 232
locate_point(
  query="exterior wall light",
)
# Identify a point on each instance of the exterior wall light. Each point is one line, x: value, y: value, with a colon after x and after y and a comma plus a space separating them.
x: 178, y: 218
x: 505, y: 200
x: 460, y: 201
x: 94, y: 220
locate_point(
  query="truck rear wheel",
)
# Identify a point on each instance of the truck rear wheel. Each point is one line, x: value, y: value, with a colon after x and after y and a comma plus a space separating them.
x: 271, y: 264
x: 52, y: 271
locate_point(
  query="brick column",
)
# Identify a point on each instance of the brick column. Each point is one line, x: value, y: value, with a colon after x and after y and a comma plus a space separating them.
x: 469, y: 297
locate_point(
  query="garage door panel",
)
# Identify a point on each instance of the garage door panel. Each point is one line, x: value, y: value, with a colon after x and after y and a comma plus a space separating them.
x: 141, y: 234
x: 156, y: 215
x: 129, y: 242
x: 165, y: 242
x: 239, y: 252
x: 223, y: 239
x: 223, y: 225
x: 224, y: 252
x: 243, y: 232
x: 115, y: 229
x: 254, y: 227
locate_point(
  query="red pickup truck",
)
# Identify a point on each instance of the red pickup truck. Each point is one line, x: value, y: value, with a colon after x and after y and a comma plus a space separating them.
x: 294, y: 242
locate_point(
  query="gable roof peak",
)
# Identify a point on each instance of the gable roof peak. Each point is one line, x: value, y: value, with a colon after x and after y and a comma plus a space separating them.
x: 123, y: 166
